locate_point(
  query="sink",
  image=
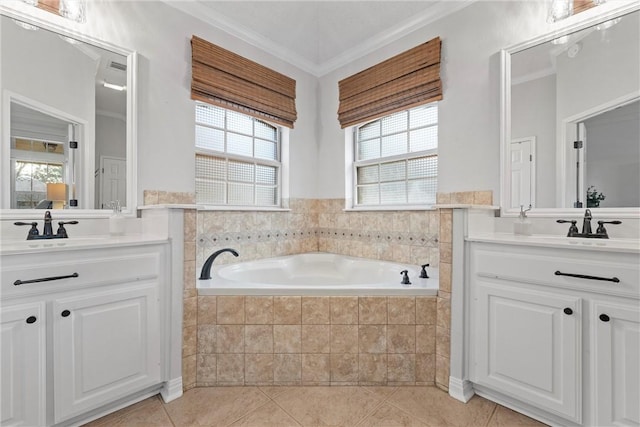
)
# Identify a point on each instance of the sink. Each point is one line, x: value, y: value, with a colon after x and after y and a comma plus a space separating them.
x: 615, y: 244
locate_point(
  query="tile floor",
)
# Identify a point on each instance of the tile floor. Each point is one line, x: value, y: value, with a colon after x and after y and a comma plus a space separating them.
x: 315, y: 406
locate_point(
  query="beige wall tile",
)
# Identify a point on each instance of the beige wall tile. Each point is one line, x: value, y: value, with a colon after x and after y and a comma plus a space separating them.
x: 344, y: 338
x: 372, y: 368
x: 426, y: 310
x: 189, y: 251
x: 207, y: 312
x: 206, y: 368
x: 190, y: 311
x: 401, y: 339
x: 316, y: 338
x: 230, y: 338
x: 443, y: 342
x: 446, y: 224
x: 315, y: 368
x: 442, y: 372
x: 401, y: 310
x: 483, y: 198
x: 189, y: 371
x: 230, y: 310
x: 372, y: 339
x: 258, y: 310
x: 401, y: 367
x: 206, y: 339
x: 189, y: 276
x: 344, y: 367
x: 444, y: 313
x: 315, y: 310
x: 444, y: 278
x: 287, y: 338
x: 287, y: 368
x: 425, y: 368
x: 425, y: 339
x: 258, y: 339
x: 258, y: 368
x: 443, y: 198
x: 344, y: 310
x: 372, y: 310
x: 150, y: 197
x: 190, y: 225
x: 462, y: 197
x: 287, y: 310
x: 189, y: 340
x: 230, y: 369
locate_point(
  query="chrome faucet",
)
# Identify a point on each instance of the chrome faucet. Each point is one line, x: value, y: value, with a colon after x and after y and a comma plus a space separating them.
x: 205, y: 273
x: 601, y: 232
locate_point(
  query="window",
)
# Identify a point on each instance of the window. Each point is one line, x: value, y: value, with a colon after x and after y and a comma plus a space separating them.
x: 238, y: 159
x: 396, y: 159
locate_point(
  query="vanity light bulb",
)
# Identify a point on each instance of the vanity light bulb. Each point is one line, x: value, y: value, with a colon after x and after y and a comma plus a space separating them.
x: 560, y: 9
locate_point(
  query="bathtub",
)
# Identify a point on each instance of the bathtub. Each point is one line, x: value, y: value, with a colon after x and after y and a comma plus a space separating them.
x: 317, y: 274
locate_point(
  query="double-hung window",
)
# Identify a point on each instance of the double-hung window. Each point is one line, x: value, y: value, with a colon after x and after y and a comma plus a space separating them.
x: 396, y: 159
x: 238, y: 159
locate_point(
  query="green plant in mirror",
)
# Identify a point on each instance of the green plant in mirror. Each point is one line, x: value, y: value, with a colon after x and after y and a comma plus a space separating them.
x: 593, y: 197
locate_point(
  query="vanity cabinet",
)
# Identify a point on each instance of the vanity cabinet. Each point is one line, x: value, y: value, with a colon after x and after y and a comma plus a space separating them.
x: 98, y: 334
x: 22, y: 364
x: 555, y: 332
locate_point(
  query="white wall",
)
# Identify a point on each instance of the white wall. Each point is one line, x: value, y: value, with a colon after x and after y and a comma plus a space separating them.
x: 533, y: 113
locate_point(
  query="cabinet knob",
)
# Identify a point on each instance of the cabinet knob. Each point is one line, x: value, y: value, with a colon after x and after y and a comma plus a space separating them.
x: 568, y: 311
x: 31, y: 319
x: 65, y: 313
x: 604, y: 318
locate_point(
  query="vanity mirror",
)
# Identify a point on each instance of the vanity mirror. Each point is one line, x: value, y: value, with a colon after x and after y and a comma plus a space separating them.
x: 571, y: 122
x: 68, y: 120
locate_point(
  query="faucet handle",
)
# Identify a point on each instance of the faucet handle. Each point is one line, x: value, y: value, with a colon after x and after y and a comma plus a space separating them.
x: 602, y: 230
x: 62, y: 232
x: 423, y: 272
x: 33, y: 231
x: 573, y: 229
x: 405, y: 277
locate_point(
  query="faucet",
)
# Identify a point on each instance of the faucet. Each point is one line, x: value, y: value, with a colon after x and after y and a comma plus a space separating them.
x: 405, y: 277
x: 205, y: 273
x: 47, y: 232
x: 601, y: 232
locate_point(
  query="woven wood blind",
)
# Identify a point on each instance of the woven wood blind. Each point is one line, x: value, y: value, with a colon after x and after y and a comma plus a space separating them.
x: 224, y: 78
x: 406, y: 80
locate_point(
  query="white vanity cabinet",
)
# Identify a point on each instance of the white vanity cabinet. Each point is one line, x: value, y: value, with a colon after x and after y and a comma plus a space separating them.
x: 98, y: 337
x: 556, y: 332
x: 22, y: 364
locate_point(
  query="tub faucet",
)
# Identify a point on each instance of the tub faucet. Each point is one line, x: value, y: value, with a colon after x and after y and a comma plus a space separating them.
x: 405, y: 277
x: 205, y: 273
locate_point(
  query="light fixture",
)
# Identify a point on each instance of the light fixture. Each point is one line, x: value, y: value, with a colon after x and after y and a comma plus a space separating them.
x: 57, y: 193
x: 73, y: 9
x: 560, y: 9
x: 114, y: 86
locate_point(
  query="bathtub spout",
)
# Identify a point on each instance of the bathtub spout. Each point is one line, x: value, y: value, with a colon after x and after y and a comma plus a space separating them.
x: 205, y: 273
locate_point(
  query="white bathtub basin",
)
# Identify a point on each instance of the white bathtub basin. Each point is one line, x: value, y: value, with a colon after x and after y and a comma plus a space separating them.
x: 317, y: 274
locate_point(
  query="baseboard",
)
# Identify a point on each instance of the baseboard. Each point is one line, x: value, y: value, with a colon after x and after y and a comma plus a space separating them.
x: 461, y: 390
x: 171, y: 390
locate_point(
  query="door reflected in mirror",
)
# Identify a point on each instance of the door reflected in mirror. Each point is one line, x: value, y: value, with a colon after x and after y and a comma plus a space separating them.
x: 575, y: 125
x: 62, y: 93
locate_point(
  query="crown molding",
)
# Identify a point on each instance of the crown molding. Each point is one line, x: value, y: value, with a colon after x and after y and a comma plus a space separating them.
x: 441, y: 9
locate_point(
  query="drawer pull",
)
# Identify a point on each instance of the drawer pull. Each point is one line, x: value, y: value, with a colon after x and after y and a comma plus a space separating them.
x: 604, y: 318
x: 43, y: 279
x: 65, y: 313
x: 583, y: 276
x: 31, y: 319
x: 568, y: 311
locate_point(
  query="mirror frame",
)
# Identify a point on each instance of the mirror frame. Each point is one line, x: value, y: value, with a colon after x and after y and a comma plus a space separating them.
x: 130, y: 209
x: 588, y: 19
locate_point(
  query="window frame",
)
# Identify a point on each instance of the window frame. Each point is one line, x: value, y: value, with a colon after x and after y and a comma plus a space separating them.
x: 281, y: 165
x: 355, y: 163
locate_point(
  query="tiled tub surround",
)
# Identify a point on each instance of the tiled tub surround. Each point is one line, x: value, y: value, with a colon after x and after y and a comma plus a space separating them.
x: 323, y: 217
x: 294, y: 340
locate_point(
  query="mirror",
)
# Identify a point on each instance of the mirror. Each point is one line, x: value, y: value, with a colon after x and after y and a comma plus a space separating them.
x: 571, y: 129
x: 67, y: 119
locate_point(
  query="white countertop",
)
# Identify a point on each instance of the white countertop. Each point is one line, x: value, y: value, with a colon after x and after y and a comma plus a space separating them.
x: 13, y: 247
x: 609, y: 245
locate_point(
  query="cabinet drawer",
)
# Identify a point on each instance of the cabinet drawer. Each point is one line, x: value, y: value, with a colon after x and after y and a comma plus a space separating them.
x: 54, y: 272
x: 542, y: 265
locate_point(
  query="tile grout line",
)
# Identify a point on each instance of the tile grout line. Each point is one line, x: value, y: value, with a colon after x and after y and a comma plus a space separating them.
x: 493, y: 413
x: 375, y: 408
x: 254, y: 409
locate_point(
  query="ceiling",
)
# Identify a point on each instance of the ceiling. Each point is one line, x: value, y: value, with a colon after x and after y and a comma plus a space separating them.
x: 319, y: 36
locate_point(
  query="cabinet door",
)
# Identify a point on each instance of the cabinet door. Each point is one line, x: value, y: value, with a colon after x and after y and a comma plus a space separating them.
x: 106, y: 345
x: 527, y: 346
x: 617, y: 372
x: 22, y: 365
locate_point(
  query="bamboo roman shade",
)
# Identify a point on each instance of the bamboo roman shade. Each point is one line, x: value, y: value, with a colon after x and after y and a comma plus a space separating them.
x: 226, y: 79
x: 406, y: 80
